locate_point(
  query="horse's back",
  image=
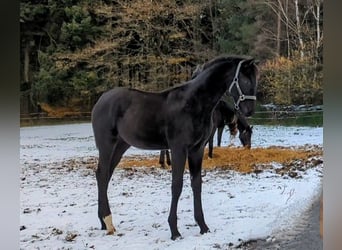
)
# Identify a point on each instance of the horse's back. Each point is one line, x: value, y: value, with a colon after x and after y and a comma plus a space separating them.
x: 111, y: 97
x: 106, y: 110
x: 137, y: 117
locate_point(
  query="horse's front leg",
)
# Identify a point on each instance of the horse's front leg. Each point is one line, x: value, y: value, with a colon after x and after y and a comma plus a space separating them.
x: 178, y: 163
x: 195, y: 158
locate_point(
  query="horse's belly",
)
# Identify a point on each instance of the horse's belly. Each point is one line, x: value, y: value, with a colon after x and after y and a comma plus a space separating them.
x: 147, y: 143
x: 152, y: 143
x: 144, y: 139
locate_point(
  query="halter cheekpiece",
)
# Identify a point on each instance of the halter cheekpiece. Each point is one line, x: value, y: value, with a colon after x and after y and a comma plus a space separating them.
x: 235, y: 81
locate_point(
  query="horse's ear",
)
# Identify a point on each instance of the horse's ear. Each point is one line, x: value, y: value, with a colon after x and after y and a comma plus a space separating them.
x: 256, y: 62
x: 250, y: 66
x: 250, y: 62
x: 197, y: 71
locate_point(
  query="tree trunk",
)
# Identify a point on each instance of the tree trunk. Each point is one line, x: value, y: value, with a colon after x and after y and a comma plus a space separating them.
x: 212, y: 24
x: 278, y: 32
x: 27, y: 63
x: 318, y: 29
x: 299, y: 32
x: 287, y: 30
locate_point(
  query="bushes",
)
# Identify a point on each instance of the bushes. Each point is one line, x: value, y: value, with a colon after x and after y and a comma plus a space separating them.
x: 285, y: 81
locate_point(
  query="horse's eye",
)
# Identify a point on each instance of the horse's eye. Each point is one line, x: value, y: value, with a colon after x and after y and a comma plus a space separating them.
x: 246, y: 81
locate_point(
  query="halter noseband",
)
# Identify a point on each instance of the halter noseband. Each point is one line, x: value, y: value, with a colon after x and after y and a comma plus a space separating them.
x: 235, y: 81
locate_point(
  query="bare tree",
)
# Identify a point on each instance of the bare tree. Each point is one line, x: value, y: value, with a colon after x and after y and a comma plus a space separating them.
x: 316, y: 12
x: 299, y: 30
x: 281, y: 9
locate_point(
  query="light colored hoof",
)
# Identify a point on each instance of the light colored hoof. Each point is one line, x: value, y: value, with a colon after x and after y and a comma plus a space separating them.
x: 111, y: 231
x: 109, y: 225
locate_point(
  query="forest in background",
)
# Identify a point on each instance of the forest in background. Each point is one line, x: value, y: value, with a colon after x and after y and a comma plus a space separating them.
x: 72, y: 51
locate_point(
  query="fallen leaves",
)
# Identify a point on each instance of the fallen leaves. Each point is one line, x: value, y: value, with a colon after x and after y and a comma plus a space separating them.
x: 240, y: 159
x: 243, y: 160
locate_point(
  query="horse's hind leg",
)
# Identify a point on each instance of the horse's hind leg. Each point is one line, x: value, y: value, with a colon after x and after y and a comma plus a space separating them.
x: 162, y: 158
x: 109, y: 156
x: 211, y: 143
x: 162, y: 155
x: 219, y: 136
x: 168, y: 159
x: 195, y: 158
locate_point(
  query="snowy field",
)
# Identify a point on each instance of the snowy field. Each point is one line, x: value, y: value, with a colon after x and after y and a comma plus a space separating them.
x: 59, y: 203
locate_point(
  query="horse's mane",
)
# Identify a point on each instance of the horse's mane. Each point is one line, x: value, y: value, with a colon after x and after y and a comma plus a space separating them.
x: 200, y: 68
x: 219, y: 59
x: 224, y: 58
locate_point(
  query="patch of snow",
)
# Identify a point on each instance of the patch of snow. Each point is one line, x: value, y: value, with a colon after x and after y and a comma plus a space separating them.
x: 59, y: 205
x: 59, y: 142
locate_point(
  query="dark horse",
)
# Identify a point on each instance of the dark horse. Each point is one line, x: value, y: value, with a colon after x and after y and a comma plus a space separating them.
x: 223, y: 115
x: 178, y: 118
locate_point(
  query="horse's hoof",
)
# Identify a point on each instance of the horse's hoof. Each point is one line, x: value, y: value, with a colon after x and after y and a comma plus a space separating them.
x: 205, y: 230
x: 111, y: 232
x: 109, y: 225
x: 176, y: 236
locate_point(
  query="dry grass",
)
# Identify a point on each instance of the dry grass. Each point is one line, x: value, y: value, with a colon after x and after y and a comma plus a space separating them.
x: 58, y: 112
x: 239, y: 159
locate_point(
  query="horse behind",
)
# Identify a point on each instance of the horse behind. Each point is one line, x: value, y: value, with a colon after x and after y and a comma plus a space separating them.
x: 178, y: 118
x: 223, y: 116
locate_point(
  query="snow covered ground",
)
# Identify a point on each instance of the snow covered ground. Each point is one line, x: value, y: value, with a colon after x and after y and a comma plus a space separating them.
x: 59, y: 203
x: 60, y: 142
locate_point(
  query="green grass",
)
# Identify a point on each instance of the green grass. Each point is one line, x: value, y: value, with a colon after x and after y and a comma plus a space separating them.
x: 314, y: 119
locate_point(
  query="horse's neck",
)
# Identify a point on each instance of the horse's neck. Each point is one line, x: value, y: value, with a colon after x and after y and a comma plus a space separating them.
x: 227, y: 112
x: 242, y: 122
x: 210, y: 86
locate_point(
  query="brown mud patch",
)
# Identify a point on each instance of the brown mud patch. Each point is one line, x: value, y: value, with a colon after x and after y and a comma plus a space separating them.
x: 240, y: 159
x: 284, y: 160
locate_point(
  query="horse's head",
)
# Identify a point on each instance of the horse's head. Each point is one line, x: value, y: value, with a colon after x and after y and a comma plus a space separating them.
x: 241, y: 78
x: 233, y: 128
x: 232, y: 125
x: 243, y: 86
x: 245, y: 137
x: 197, y: 71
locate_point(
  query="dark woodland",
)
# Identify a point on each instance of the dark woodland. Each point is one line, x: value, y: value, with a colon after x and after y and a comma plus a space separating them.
x: 73, y: 51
